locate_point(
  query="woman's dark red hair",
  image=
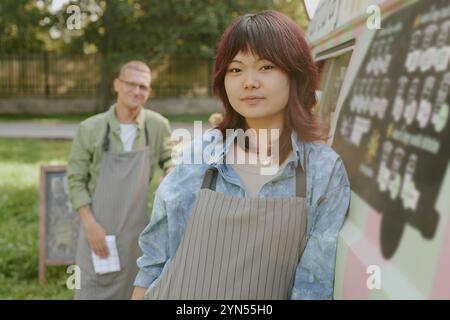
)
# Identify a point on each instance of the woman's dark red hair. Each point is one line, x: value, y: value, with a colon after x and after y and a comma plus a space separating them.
x: 273, y: 36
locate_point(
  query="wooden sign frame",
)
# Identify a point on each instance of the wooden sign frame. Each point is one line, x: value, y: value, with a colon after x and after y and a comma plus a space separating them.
x: 44, y: 261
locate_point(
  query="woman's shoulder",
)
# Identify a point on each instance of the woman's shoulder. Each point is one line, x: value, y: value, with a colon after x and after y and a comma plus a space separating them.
x: 184, y: 179
x: 191, y: 165
x: 321, y: 151
x: 206, y: 149
x: 326, y: 164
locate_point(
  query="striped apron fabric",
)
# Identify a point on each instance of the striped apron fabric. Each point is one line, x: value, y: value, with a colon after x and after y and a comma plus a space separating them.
x: 119, y: 205
x: 236, y: 248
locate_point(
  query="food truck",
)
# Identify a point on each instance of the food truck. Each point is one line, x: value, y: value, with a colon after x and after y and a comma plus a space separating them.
x: 384, y: 96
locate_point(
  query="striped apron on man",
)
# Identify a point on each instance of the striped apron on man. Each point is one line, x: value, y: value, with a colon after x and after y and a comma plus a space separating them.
x: 119, y: 205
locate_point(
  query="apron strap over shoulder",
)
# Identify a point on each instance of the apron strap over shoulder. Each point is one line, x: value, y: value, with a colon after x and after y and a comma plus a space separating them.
x: 300, y: 178
x: 106, y: 141
x: 146, y: 134
x: 300, y: 182
x: 106, y: 138
x: 210, y: 178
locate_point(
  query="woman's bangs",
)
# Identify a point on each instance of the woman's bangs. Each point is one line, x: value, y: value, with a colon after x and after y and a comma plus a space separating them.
x: 249, y: 38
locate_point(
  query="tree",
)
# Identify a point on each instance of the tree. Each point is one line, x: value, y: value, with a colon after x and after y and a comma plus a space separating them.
x: 295, y: 10
x: 22, y: 26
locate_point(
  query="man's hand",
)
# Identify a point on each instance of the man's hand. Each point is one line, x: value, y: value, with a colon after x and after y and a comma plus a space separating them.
x: 95, y: 233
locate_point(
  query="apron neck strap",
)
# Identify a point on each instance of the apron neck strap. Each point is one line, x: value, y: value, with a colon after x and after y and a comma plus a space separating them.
x: 106, y: 138
x: 146, y: 134
x: 210, y: 179
x: 300, y: 180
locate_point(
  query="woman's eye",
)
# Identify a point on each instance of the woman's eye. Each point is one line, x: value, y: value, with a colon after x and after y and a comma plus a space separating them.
x: 234, y: 70
x: 267, y: 67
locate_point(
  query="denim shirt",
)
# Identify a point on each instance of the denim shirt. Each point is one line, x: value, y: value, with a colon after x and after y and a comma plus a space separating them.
x: 327, y: 197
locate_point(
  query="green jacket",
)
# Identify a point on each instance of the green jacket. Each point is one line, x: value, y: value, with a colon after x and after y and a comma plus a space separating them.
x: 83, y: 167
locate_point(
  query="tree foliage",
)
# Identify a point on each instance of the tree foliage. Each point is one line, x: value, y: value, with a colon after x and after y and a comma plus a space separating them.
x: 22, y: 26
x: 157, y: 27
x: 150, y: 27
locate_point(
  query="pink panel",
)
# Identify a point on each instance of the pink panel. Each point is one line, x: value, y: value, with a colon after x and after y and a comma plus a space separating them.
x: 355, y: 278
x: 441, y: 284
x: 366, y: 249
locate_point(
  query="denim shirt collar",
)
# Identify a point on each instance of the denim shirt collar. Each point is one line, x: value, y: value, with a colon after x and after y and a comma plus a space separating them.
x: 217, y: 160
x: 214, y: 142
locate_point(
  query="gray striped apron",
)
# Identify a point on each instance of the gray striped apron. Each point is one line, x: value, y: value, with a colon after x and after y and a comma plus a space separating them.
x: 237, y: 248
x: 119, y: 204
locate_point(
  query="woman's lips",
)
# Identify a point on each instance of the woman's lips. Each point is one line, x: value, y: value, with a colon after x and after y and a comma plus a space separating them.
x: 252, y: 100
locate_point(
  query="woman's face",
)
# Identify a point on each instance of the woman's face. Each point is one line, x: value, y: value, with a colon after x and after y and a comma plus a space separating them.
x: 256, y: 88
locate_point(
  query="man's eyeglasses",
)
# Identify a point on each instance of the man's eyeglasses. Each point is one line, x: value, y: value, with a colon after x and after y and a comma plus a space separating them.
x: 133, y: 85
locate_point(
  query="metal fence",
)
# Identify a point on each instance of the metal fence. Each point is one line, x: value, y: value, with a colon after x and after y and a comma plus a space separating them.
x: 182, y: 76
x: 52, y: 76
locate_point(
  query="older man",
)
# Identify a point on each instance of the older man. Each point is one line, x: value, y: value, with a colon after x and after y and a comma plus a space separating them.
x: 113, y: 158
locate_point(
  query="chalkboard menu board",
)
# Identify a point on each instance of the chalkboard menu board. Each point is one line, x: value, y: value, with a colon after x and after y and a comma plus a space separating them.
x: 393, y: 131
x: 59, y: 224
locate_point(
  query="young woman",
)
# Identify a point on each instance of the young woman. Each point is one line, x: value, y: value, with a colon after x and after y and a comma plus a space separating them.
x: 221, y: 228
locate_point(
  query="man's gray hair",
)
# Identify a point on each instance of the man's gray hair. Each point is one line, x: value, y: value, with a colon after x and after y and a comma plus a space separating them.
x: 135, y: 65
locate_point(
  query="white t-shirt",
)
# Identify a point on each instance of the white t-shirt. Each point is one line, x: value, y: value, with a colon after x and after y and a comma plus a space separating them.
x: 127, y: 135
x: 250, y: 174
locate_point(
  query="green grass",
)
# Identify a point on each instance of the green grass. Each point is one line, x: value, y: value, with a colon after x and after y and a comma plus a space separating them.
x: 71, y: 118
x: 20, y: 160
